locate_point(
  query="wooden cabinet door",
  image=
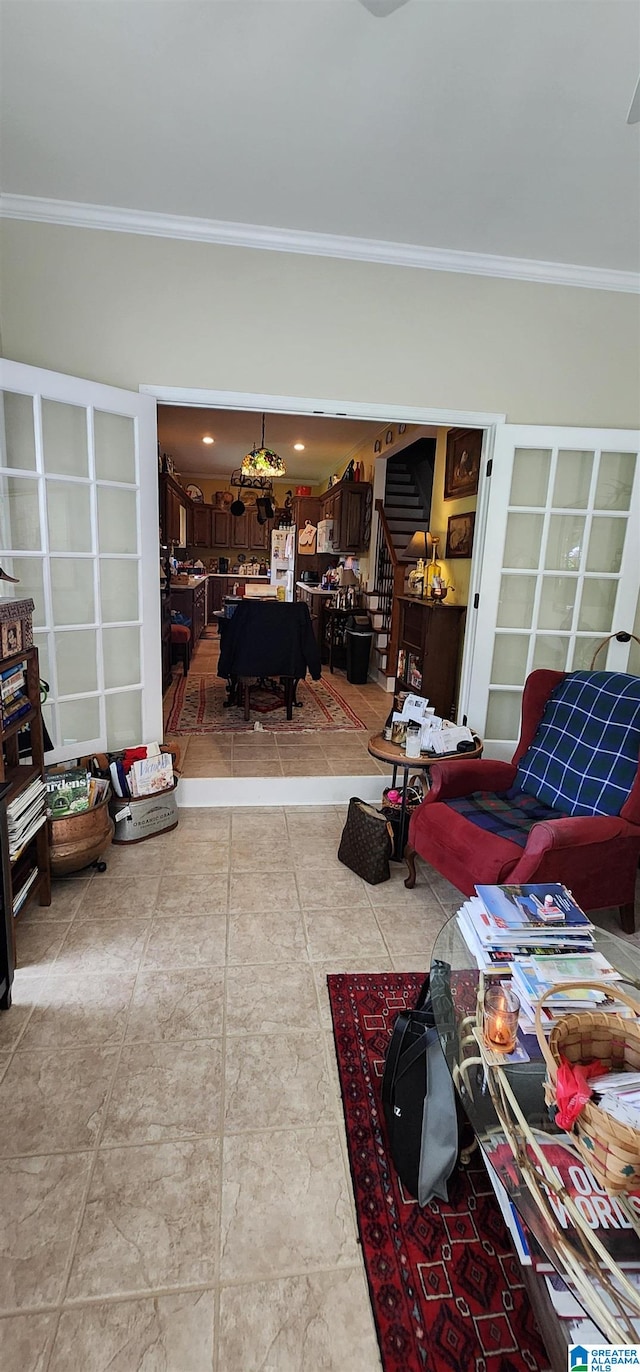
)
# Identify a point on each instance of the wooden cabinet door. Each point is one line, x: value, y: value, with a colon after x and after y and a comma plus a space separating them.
x: 221, y: 528
x: 174, y: 517
x: 201, y: 526
x: 350, y: 506
x: 239, y: 531
x: 258, y: 533
x: 218, y: 590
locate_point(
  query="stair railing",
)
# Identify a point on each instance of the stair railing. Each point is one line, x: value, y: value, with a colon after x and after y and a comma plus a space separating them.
x: 390, y: 577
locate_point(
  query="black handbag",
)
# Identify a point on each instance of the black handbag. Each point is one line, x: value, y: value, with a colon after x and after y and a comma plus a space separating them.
x: 366, y: 843
x: 418, y: 1095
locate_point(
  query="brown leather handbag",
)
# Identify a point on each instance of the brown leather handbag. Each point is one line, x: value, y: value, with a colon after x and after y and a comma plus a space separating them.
x: 366, y: 843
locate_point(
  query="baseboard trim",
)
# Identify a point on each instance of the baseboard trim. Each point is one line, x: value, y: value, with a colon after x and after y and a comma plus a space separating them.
x: 274, y: 791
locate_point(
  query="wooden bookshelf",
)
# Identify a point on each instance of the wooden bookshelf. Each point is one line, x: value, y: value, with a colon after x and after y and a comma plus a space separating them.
x: 19, y: 773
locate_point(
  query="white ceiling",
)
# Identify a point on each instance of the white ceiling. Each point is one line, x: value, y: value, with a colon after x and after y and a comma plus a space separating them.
x: 490, y: 126
x: 328, y: 442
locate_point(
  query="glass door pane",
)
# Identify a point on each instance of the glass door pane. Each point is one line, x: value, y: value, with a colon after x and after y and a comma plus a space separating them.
x: 79, y: 527
x: 560, y: 569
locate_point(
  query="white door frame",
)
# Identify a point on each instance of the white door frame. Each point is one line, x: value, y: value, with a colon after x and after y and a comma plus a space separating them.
x: 393, y: 413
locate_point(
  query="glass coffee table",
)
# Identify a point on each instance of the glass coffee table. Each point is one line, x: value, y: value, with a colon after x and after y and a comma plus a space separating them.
x: 505, y: 1104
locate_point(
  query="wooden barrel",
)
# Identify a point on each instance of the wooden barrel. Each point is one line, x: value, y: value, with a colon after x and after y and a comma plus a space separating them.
x: 76, y: 841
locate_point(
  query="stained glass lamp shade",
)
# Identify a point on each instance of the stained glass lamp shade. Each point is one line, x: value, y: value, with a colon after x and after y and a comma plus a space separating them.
x: 263, y: 461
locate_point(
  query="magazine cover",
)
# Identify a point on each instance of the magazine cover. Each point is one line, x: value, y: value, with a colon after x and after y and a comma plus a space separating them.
x: 601, y: 1211
x: 535, y: 905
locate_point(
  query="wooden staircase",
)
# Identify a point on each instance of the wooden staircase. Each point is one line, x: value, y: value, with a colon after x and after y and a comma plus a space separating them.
x: 389, y: 582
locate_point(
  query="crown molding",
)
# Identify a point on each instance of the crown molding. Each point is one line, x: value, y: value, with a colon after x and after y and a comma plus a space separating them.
x: 258, y: 236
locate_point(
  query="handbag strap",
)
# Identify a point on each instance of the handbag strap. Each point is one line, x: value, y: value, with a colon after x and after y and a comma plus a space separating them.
x: 395, y: 1048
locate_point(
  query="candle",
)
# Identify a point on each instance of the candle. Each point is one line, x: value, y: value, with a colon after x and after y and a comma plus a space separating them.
x: 500, y: 1018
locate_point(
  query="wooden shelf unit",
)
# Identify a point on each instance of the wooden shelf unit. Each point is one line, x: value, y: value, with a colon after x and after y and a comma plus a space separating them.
x: 431, y: 635
x: 19, y: 774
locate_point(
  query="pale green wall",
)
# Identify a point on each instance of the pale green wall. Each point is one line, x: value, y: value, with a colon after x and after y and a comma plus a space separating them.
x: 127, y: 309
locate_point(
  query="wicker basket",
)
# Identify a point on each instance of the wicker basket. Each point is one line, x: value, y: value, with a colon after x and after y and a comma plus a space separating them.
x: 610, y: 1149
x: 415, y: 796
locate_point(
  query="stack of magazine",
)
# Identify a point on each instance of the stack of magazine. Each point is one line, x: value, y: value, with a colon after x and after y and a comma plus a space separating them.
x: 25, y: 815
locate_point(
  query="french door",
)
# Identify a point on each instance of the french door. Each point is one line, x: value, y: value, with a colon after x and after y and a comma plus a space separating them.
x: 560, y: 566
x: 79, y: 528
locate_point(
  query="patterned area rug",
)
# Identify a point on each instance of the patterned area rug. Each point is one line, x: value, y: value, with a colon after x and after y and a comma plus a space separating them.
x: 196, y: 706
x: 445, y: 1286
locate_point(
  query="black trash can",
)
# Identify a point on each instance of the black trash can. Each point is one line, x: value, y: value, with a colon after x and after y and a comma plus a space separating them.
x: 358, y: 639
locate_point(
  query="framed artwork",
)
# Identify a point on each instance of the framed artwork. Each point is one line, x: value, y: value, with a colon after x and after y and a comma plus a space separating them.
x: 377, y: 447
x: 460, y: 535
x: 195, y: 493
x: 462, y: 466
x: 11, y: 637
x: 402, y: 428
x: 388, y: 438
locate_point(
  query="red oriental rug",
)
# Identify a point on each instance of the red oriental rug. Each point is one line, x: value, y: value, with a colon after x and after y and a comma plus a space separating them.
x: 195, y: 704
x: 445, y: 1285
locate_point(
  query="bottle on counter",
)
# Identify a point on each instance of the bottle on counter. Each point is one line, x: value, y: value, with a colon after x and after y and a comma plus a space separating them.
x: 388, y: 724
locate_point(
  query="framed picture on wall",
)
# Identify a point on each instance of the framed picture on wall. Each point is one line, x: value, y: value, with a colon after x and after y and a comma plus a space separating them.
x: 462, y: 466
x: 460, y: 535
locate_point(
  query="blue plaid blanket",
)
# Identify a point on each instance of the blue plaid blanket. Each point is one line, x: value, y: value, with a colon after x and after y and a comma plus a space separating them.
x: 510, y: 814
x: 584, y: 756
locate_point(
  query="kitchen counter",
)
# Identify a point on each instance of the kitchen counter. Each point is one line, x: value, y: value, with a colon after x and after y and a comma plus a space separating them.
x: 313, y: 590
x: 244, y: 576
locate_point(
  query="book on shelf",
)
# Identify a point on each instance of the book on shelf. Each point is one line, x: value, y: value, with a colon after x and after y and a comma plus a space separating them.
x: 21, y: 894
x: 67, y: 791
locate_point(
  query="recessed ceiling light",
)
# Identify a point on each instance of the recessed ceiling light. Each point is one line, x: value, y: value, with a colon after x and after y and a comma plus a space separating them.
x: 207, y: 439
x: 299, y: 447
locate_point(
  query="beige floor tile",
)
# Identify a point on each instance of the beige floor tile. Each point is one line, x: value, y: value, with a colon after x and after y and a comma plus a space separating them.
x: 279, y: 1083
x: 26, y: 992
x: 321, y: 971
x: 99, y: 946
x: 151, y: 1220
x: 24, y: 1340
x: 316, y: 766
x: 52, y: 1101
x: 165, y: 1091
x: 256, y: 767
x: 72, y: 1011
x: 338, y: 886
x: 195, y: 941
x: 261, y: 824
x: 258, y: 890
x: 41, y: 1199
x: 267, y: 1179
x: 271, y: 999
x: 192, y: 895
x: 201, y: 822
x: 261, y: 854
x: 408, y: 962
x: 409, y: 931
x: 208, y: 767
x: 267, y: 937
x: 306, y: 824
x: 120, y: 897
x: 354, y: 767
x: 134, y: 859
x: 299, y: 1324
x: 254, y: 745
x: 38, y: 945
x: 205, y: 856
x: 338, y: 745
x: 394, y: 892
x: 325, y: 850
x: 66, y: 897
x: 168, y: 1007
x: 343, y: 932
x: 173, y: 1333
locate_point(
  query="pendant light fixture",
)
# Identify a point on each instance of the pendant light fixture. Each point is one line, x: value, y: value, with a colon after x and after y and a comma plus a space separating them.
x: 263, y: 461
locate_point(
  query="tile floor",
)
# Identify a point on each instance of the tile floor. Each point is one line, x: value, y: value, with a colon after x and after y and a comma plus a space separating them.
x: 268, y: 754
x: 174, y: 1186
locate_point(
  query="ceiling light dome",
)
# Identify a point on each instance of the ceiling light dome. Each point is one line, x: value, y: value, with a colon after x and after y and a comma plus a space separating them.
x: 263, y: 461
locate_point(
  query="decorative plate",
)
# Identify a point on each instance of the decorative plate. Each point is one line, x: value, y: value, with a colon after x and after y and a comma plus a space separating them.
x: 195, y: 493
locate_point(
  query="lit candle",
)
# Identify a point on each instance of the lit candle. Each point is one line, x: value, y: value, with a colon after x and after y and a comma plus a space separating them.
x: 501, y: 1007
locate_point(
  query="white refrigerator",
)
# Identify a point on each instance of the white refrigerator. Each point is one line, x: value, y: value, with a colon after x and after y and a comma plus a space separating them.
x: 283, y: 559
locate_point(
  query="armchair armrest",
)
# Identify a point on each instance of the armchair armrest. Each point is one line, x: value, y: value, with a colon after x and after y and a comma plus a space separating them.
x: 452, y: 779
x: 576, y: 831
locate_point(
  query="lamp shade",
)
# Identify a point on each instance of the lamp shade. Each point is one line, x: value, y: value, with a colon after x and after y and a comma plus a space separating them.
x: 420, y: 546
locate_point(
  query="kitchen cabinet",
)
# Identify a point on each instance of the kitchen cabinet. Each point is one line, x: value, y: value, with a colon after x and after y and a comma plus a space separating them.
x: 240, y: 531
x: 429, y: 648
x: 348, y: 504
x: 221, y: 529
x: 201, y: 526
x: 173, y: 500
x: 259, y: 534
x: 191, y: 601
